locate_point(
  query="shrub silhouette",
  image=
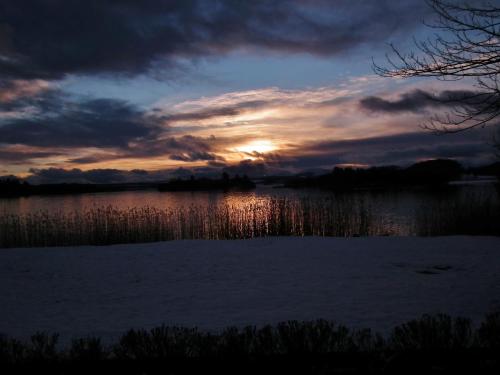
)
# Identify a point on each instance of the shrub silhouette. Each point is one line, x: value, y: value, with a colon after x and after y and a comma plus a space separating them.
x: 488, y: 334
x: 43, y: 346
x: 439, y: 332
x: 12, y: 350
x: 161, y: 342
x: 313, y: 337
x: 87, y: 349
x: 425, y: 345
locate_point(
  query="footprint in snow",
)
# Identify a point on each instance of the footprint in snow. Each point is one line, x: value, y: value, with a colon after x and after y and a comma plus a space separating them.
x: 434, y: 270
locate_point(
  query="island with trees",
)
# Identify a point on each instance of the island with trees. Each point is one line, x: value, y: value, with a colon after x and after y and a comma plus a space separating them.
x: 224, y: 183
x: 430, y: 173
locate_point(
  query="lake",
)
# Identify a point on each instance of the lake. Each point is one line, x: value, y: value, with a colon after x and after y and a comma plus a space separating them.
x: 395, y: 208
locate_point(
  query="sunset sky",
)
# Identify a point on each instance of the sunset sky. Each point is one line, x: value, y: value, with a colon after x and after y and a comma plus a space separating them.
x: 121, y: 90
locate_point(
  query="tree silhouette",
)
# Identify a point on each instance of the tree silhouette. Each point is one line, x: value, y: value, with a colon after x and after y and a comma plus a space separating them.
x: 466, y: 45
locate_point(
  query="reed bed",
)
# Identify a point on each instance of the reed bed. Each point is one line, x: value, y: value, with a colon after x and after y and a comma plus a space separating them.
x: 274, y: 217
x: 339, y: 216
x: 470, y: 214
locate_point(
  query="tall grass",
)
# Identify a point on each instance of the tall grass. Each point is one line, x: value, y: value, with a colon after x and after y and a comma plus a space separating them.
x: 274, y: 217
x: 339, y: 216
x: 470, y: 214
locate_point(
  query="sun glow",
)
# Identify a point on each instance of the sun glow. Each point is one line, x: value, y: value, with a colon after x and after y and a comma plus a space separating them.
x: 259, y: 145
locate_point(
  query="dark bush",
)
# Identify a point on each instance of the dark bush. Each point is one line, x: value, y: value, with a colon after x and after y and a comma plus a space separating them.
x: 313, y: 337
x: 161, y: 342
x: 440, y: 332
x: 87, y: 349
x: 12, y: 350
x: 431, y: 344
x: 43, y: 346
x: 488, y: 333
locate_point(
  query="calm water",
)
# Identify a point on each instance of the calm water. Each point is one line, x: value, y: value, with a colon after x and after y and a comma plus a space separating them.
x: 396, y: 208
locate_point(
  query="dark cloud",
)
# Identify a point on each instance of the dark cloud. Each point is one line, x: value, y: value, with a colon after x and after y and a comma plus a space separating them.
x: 216, y: 163
x: 248, y: 167
x: 23, y: 157
x: 12, y: 98
x: 194, y: 156
x: 89, y: 159
x: 460, y: 151
x: 49, y: 39
x: 186, y: 148
x: 400, y: 149
x: 99, y: 176
x: 59, y: 175
x: 419, y: 100
x: 209, y: 113
x: 91, y: 123
x: 120, y: 129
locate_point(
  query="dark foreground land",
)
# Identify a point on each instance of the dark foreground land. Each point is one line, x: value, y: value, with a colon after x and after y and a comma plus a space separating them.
x: 429, y: 345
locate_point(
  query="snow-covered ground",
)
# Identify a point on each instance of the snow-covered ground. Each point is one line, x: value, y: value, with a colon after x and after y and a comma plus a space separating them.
x: 361, y: 282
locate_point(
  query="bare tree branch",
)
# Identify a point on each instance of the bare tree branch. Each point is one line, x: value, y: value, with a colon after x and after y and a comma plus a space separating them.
x: 466, y: 45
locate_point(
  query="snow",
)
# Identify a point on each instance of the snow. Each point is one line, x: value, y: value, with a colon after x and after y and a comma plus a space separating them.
x: 361, y: 282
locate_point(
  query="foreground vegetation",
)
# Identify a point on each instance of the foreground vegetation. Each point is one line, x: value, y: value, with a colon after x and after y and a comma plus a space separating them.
x: 431, y: 344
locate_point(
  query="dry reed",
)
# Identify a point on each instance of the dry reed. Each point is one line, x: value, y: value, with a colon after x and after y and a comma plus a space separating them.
x: 109, y: 225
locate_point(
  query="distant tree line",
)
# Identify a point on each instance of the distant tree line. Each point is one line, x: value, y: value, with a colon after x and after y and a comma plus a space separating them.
x: 14, y: 187
x: 432, y: 172
x: 426, y: 173
x: 205, y: 184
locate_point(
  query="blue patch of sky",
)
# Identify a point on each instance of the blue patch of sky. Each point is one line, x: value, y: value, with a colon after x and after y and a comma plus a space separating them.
x: 237, y: 71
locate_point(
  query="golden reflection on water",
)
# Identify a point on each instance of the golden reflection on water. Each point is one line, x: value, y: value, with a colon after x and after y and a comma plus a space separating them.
x: 394, y: 209
x: 132, y: 199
